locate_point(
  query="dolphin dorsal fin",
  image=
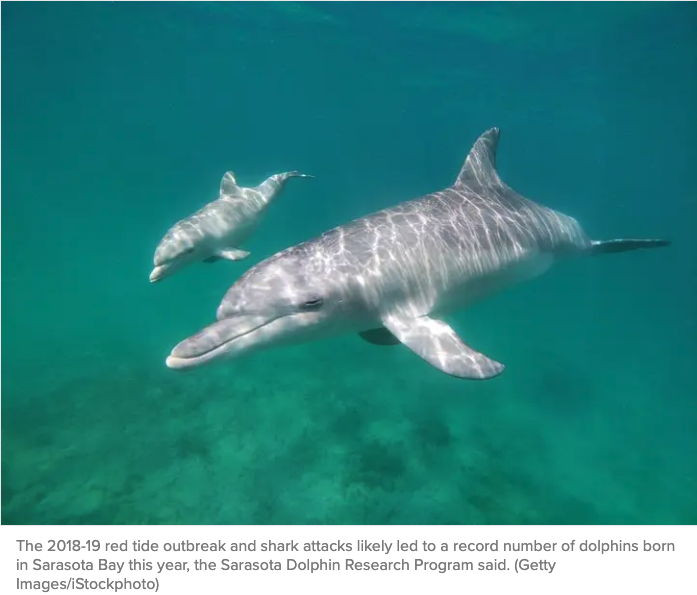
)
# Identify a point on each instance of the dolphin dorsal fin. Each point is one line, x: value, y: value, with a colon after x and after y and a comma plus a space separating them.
x: 480, y: 166
x: 228, y: 185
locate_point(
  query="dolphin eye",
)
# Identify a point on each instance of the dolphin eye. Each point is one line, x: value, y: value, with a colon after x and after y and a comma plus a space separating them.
x: 313, y: 304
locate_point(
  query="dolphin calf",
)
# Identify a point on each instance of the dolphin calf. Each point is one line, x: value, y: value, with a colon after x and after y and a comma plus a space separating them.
x: 218, y: 229
x: 391, y: 276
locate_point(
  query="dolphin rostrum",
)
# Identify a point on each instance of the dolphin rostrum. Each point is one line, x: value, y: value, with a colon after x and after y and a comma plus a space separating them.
x: 218, y: 229
x: 391, y: 276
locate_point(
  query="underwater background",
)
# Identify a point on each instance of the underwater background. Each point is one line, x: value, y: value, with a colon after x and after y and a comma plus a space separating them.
x: 118, y: 119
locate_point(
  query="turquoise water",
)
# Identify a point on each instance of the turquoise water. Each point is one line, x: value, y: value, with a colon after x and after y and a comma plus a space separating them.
x: 120, y: 118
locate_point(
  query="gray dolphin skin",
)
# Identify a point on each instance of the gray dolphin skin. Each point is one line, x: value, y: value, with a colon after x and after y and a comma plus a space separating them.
x: 218, y: 229
x: 391, y: 276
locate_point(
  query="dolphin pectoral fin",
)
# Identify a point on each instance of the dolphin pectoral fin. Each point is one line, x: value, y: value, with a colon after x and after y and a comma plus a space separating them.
x: 379, y: 336
x: 439, y: 345
x: 227, y: 254
x: 233, y: 254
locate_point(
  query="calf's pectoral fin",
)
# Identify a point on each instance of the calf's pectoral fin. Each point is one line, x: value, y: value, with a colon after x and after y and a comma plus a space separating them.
x: 439, y: 345
x: 233, y: 254
x: 227, y: 254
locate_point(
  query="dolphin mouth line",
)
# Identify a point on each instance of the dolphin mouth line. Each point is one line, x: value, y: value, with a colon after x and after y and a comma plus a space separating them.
x: 179, y: 362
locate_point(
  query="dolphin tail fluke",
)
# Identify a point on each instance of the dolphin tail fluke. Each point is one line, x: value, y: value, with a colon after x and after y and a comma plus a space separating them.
x: 273, y: 186
x: 612, y: 246
x: 295, y: 174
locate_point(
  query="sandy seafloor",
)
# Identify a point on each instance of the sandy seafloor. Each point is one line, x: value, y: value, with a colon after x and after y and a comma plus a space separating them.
x: 118, y: 119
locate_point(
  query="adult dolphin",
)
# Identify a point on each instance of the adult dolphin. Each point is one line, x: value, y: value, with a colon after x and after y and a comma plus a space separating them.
x: 218, y: 229
x: 392, y: 275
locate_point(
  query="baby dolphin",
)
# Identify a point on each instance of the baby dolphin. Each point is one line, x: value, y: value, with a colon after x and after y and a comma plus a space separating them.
x: 391, y: 276
x: 218, y: 229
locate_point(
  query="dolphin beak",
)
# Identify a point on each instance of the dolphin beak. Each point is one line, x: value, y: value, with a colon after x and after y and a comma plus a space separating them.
x: 224, y: 337
x: 167, y: 268
x: 157, y: 274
